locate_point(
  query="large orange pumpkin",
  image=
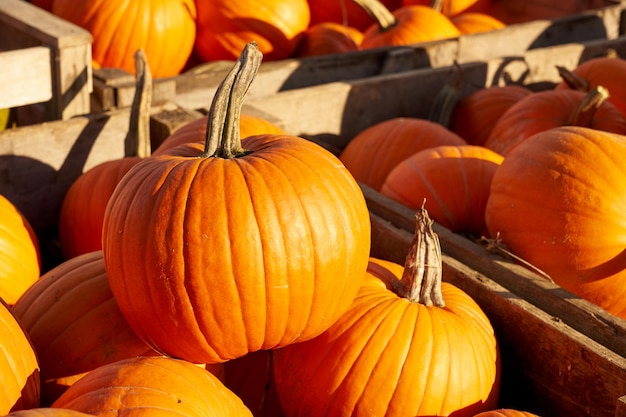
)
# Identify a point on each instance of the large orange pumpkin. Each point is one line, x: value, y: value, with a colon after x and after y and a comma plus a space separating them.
x: 20, y: 261
x: 237, y: 246
x: 452, y: 182
x: 19, y: 367
x: 553, y: 108
x: 74, y: 323
x: 226, y: 26
x: 47, y: 412
x: 165, y: 29
x: 82, y: 210
x: 409, y: 345
x: 557, y: 202
x: 376, y: 150
x: 152, y: 385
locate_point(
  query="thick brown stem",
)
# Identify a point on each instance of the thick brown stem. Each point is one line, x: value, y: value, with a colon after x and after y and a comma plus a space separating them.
x: 421, y: 280
x: 584, y: 113
x: 447, y: 99
x: 137, y: 141
x: 222, y: 134
x: 572, y: 80
x: 383, y: 17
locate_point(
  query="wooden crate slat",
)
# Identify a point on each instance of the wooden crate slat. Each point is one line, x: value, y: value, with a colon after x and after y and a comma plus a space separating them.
x: 26, y: 77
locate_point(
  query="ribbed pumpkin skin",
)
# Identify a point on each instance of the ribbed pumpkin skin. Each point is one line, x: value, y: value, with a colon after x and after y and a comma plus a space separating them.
x: 210, y: 258
x: 557, y: 201
x: 47, y: 412
x: 414, y: 24
x: 375, y: 151
x: 82, y: 211
x: 387, y: 356
x: 452, y: 182
x: 475, y: 115
x: 195, y: 131
x: 19, y: 368
x: 157, y: 386
x: 75, y: 324
x: 544, y: 110
x: 226, y: 26
x: 506, y: 412
x: 164, y: 29
x: 20, y: 263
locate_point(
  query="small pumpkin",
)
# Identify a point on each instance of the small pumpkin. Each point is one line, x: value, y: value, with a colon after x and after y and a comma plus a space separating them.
x: 74, y: 323
x: 556, y: 201
x: 456, y: 199
x: 409, y: 345
x: 345, y: 12
x: 20, y: 258
x: 237, y: 245
x: 82, y: 210
x: 164, y: 29
x: 476, y: 22
x: 452, y: 8
x: 226, y: 26
x: 19, y: 367
x: 326, y: 38
x: 506, y: 412
x: 152, y: 385
x: 376, y: 150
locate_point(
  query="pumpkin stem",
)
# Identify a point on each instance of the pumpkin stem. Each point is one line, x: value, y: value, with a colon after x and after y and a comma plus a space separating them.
x: 137, y: 141
x: 573, y: 81
x: 447, y: 98
x: 223, y: 139
x: 585, y: 111
x: 383, y: 17
x: 422, y: 276
x: 437, y: 5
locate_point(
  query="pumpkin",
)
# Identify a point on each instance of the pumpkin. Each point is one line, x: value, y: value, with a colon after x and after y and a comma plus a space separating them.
x: 44, y: 4
x: 410, y: 345
x: 164, y: 29
x: 195, y: 131
x: 553, y: 108
x: 606, y: 71
x: 74, y: 323
x: 226, y: 26
x: 345, y: 12
x: 557, y: 202
x: 151, y: 385
x: 456, y: 199
x: 475, y: 114
x: 251, y: 378
x: 476, y: 22
x: 239, y: 245
x: 506, y: 412
x: 404, y: 26
x: 82, y: 210
x: 20, y: 259
x: 47, y: 412
x: 451, y: 8
x: 19, y: 367
x: 376, y: 150
x: 326, y: 38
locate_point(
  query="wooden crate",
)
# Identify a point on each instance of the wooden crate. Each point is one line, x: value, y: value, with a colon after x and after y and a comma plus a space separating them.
x: 46, y: 64
x: 573, y: 21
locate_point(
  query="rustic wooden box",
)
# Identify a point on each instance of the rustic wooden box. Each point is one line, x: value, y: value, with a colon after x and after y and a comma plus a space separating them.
x: 46, y: 64
x: 571, y: 21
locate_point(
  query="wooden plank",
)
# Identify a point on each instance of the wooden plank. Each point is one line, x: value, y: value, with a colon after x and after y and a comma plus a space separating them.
x: 548, y: 367
x: 26, y: 77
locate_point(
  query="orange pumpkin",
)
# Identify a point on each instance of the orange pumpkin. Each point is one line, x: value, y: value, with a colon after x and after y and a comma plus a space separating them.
x: 345, y: 12
x: 195, y: 131
x: 452, y: 8
x: 19, y: 367
x: 376, y: 150
x: 164, y: 29
x: 152, y: 385
x: 405, y: 26
x: 456, y: 199
x: 475, y: 22
x: 506, y: 412
x: 226, y: 26
x: 82, y: 210
x: 410, y: 346
x: 557, y: 202
x: 328, y: 38
x: 474, y: 115
x: 44, y: 4
x: 20, y: 260
x: 256, y: 243
x: 47, y: 412
x: 74, y: 323
x: 553, y: 108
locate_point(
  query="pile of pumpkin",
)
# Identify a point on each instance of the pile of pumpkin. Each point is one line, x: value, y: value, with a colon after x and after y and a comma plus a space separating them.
x: 180, y: 34
x: 234, y: 279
